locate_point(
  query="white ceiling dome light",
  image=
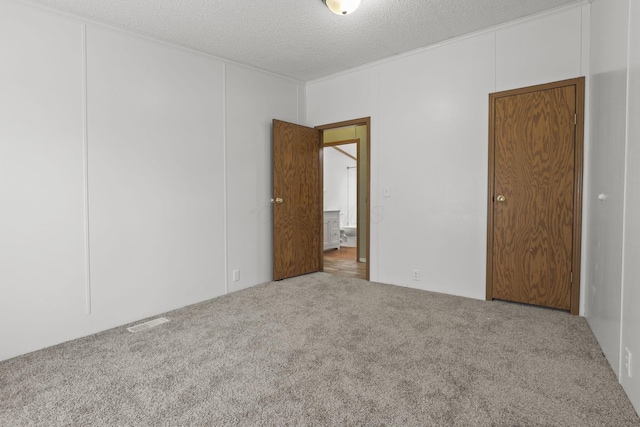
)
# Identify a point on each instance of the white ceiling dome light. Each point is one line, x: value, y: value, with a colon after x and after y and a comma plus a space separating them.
x: 342, y: 7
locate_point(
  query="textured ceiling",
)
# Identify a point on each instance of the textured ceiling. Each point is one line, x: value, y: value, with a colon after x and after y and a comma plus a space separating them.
x: 302, y: 39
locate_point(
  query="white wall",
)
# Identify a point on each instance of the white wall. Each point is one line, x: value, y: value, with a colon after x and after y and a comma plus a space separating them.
x: 175, y: 149
x: 606, y: 173
x: 156, y: 175
x: 539, y: 50
x: 42, y: 269
x: 631, y: 270
x: 254, y: 99
x: 429, y: 127
x: 613, y: 289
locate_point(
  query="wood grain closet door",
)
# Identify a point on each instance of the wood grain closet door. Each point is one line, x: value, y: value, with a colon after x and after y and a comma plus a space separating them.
x: 534, y: 138
x: 297, y: 221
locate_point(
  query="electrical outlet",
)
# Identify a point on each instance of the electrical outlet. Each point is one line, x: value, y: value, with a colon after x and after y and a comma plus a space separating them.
x: 627, y: 361
x: 236, y: 275
x: 416, y: 274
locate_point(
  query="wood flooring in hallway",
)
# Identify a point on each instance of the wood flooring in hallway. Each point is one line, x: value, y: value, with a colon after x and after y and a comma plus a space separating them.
x: 343, y: 262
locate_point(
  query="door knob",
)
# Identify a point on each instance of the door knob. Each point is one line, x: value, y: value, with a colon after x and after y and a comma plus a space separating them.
x: 501, y: 198
x: 277, y: 200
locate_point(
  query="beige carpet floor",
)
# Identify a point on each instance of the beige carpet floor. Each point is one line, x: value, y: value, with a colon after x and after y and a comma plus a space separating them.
x: 320, y: 350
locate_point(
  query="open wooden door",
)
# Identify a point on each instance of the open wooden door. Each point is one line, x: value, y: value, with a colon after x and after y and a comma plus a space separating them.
x: 297, y: 204
x: 535, y: 183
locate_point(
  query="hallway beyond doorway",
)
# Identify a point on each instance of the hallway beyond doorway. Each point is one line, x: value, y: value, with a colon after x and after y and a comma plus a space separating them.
x: 342, y: 262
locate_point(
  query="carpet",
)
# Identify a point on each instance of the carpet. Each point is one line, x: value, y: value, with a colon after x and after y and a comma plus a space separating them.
x: 320, y: 350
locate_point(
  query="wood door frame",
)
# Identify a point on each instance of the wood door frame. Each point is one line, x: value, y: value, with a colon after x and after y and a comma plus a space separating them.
x: 334, y: 144
x: 579, y: 84
x: 365, y: 121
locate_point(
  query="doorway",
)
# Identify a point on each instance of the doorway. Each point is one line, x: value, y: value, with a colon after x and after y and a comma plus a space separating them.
x: 298, y: 203
x: 345, y: 194
x: 535, y: 194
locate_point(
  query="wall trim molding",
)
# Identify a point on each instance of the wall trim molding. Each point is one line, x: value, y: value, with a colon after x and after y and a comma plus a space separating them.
x: 577, y: 4
x: 89, y: 21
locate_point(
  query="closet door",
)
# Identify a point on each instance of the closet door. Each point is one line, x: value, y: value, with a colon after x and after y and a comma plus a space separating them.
x: 535, y: 181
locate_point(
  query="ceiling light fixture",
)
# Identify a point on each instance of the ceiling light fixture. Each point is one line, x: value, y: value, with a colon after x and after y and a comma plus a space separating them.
x: 342, y: 7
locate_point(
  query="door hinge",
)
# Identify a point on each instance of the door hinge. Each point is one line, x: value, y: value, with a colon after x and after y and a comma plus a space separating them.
x: 572, y: 277
x: 575, y: 119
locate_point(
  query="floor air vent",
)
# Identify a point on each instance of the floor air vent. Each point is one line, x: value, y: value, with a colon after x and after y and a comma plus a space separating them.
x: 148, y: 325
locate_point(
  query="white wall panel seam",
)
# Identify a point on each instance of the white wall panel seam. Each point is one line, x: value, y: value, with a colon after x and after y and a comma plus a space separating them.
x: 624, y: 197
x: 585, y: 42
x: 85, y: 170
x: 495, y: 61
x: 226, y: 181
